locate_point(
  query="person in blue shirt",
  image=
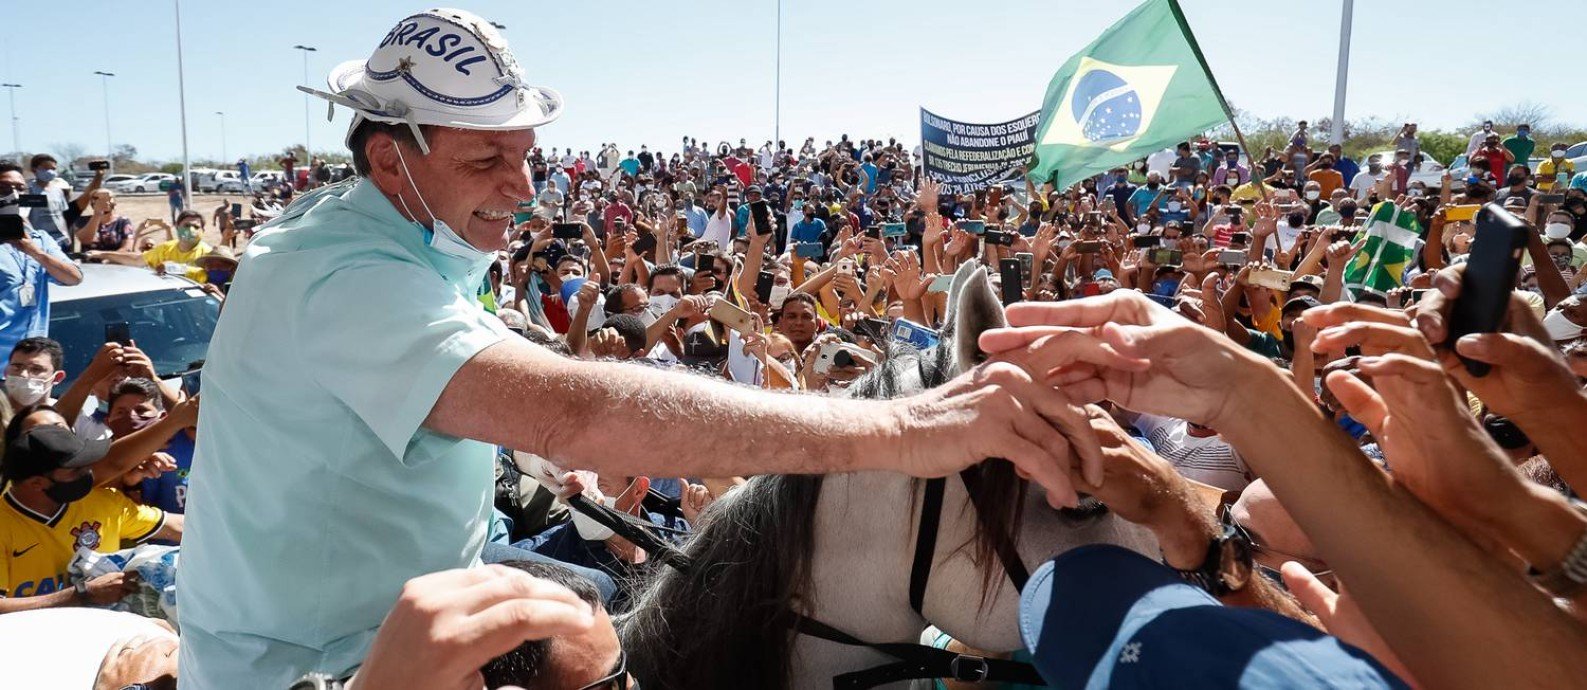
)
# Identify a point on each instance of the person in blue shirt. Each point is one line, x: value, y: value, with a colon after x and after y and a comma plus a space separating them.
x: 1346, y: 167
x: 1143, y: 197
x: 135, y: 404
x: 630, y: 164
x: 741, y: 216
x: 29, y: 264
x: 694, y: 215
x: 810, y: 229
x: 870, y: 176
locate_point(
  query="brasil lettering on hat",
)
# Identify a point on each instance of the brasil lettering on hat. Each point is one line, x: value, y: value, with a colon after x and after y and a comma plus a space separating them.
x: 404, y: 34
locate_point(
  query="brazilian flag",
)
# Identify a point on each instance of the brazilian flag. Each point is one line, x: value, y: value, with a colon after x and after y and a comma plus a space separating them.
x: 1141, y: 86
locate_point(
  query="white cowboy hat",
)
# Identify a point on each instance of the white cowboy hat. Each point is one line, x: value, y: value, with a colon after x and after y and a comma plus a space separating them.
x: 441, y: 67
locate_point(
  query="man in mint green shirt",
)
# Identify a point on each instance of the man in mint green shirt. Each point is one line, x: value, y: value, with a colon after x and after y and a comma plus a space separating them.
x: 355, y: 388
x: 1521, y: 144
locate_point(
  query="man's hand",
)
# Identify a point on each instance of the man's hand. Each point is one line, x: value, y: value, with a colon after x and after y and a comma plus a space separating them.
x: 156, y: 465
x: 1156, y: 361
x: 110, y: 588
x: 137, y: 659
x: 907, y: 280
x: 136, y: 364
x: 1340, y: 615
x: 446, y: 625
x: 1145, y: 489
x: 695, y: 499
x: 607, y: 343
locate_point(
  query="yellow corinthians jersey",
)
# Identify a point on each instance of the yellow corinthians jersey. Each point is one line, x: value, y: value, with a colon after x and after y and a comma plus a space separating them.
x: 35, y: 549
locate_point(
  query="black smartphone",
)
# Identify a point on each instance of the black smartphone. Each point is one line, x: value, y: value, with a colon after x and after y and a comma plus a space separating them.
x: 645, y: 243
x: 763, y: 283
x: 1240, y: 238
x: 118, y: 332
x: 760, y: 212
x: 236, y: 211
x: 999, y: 238
x: 11, y: 228
x: 1168, y: 257
x: 96, y: 166
x: 874, y: 232
x: 33, y: 201
x: 1013, y: 280
x: 1144, y: 241
x: 875, y: 329
x: 1491, y: 268
x: 567, y: 231
x: 1551, y: 198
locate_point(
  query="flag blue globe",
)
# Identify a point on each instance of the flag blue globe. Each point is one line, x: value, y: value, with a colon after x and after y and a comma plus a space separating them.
x: 1106, y: 107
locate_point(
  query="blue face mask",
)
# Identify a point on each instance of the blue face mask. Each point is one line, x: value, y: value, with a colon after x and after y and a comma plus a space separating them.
x: 439, y: 235
x: 218, y: 277
x: 1165, y: 288
x: 44, y: 176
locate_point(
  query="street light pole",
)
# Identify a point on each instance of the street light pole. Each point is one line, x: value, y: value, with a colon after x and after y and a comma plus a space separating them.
x: 308, y: 147
x: 776, y: 127
x: 181, y: 99
x: 110, y: 148
x: 1343, y: 77
x: 224, y: 159
x: 16, y: 139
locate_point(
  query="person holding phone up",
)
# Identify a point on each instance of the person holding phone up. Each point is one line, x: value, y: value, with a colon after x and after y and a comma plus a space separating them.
x: 30, y: 260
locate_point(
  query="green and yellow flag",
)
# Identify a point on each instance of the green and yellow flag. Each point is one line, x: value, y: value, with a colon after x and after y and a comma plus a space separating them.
x: 1141, y: 86
x: 1389, y: 247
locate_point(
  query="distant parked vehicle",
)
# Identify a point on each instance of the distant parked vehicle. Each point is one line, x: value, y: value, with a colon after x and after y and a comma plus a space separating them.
x: 148, y: 182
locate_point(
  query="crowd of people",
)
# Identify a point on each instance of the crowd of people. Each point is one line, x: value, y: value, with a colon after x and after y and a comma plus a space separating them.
x: 1403, y: 486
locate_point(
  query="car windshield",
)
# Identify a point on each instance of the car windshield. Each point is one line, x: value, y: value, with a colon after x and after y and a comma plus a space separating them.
x: 172, y: 327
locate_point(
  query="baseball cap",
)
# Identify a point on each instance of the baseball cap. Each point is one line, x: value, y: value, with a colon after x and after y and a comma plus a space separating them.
x: 1103, y: 274
x: 753, y: 189
x: 442, y: 67
x: 1309, y: 280
x: 1103, y: 616
x: 46, y: 448
x: 1302, y: 302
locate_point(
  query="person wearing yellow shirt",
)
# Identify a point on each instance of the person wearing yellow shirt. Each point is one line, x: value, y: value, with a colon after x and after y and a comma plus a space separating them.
x: 50, y: 510
x: 1551, y: 168
x: 179, y: 256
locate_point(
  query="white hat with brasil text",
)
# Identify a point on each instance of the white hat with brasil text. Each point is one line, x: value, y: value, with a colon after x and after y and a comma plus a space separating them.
x: 441, y: 67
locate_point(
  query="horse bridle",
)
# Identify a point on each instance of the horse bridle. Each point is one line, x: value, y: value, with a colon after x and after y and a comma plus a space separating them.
x: 914, y: 661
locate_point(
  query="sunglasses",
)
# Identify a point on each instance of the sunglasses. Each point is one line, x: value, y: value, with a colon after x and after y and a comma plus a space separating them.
x: 617, y: 679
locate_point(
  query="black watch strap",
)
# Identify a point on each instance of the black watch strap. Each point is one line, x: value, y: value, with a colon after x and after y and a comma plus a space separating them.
x: 1210, y: 576
x: 315, y: 680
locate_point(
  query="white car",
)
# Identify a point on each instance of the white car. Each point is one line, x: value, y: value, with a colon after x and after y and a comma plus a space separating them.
x: 148, y: 182
x: 170, y: 317
x: 229, y: 182
x: 1431, y: 173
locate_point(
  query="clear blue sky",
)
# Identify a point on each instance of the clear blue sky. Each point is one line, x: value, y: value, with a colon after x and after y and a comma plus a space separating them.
x: 650, y: 72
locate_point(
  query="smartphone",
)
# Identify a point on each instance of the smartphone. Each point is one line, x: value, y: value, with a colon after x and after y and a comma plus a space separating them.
x: 236, y: 211
x: 1240, y: 238
x: 916, y: 335
x: 763, y: 285
x: 1231, y: 257
x: 97, y: 166
x: 1416, y: 296
x: 11, y: 228
x: 874, y: 232
x: 1093, y: 218
x: 118, y: 332
x: 809, y: 250
x: 1013, y: 284
x: 1491, y: 268
x: 1168, y: 257
x: 1272, y: 279
x: 33, y: 201
x: 1088, y: 246
x: 999, y: 238
x: 941, y: 283
x: 1144, y: 241
x: 728, y: 314
x: 1461, y: 212
x: 760, y: 213
x: 1457, y: 185
x: 645, y: 243
x: 894, y: 230
x: 1551, y: 198
x: 840, y: 355
x: 1345, y: 234
x: 567, y: 231
x: 1027, y: 265
x: 974, y: 227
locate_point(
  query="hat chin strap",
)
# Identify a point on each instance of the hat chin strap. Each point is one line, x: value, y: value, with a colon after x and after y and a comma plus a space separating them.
x: 361, y: 110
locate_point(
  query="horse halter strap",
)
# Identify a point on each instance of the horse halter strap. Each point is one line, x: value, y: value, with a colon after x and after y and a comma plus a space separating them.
x: 926, y: 539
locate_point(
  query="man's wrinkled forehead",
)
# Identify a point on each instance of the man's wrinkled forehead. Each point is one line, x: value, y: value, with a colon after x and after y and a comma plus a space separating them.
x: 456, y: 140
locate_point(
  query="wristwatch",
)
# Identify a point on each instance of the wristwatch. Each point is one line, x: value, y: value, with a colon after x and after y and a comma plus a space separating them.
x: 1567, y: 578
x: 315, y: 680
x: 81, y: 588
x: 1227, y: 567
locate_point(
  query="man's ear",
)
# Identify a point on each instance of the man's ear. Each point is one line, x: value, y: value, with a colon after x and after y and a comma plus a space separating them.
x: 385, y: 169
x: 59, y: 376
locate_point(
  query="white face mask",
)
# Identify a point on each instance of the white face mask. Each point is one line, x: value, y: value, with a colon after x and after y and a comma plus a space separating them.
x: 26, y: 391
x: 1143, y: 228
x: 1557, y: 231
x: 1313, y: 195
x: 1558, y: 154
x: 779, y: 294
x: 1559, y: 328
x: 441, y: 236
x: 1173, y: 207
x: 661, y: 304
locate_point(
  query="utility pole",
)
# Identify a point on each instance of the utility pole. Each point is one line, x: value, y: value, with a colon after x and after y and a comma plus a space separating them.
x: 110, y: 148
x: 1343, y: 77
x: 308, y: 147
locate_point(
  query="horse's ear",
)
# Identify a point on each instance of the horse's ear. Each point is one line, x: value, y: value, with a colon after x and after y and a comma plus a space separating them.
x: 973, y: 309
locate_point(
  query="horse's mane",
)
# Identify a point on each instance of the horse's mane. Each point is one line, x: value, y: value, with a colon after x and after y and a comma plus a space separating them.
x: 728, y: 621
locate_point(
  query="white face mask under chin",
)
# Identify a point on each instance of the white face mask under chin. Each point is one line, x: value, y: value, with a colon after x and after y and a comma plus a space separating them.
x: 441, y: 236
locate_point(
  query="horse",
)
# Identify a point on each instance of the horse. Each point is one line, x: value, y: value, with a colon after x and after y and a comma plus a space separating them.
x: 840, y: 548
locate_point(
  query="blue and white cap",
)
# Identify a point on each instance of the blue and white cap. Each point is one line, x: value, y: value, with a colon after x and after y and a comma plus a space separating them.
x: 441, y: 67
